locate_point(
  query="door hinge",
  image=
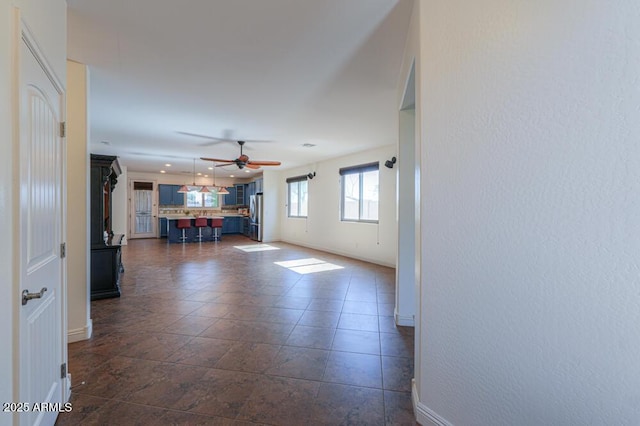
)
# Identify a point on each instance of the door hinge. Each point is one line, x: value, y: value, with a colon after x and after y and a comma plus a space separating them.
x: 63, y: 250
x: 63, y: 371
x: 63, y: 129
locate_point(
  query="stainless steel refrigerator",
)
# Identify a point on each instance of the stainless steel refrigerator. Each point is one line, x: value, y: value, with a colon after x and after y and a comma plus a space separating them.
x: 255, y: 217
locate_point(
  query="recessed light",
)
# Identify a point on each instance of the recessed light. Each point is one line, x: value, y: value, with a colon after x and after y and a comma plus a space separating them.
x: 231, y: 176
x: 162, y: 171
x: 199, y: 174
x: 308, y: 145
x: 210, y: 168
x: 206, y: 175
x: 247, y: 171
x: 167, y: 165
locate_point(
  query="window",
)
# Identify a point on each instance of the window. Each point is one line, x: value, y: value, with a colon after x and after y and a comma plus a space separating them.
x: 360, y: 193
x: 298, y: 195
x: 200, y: 199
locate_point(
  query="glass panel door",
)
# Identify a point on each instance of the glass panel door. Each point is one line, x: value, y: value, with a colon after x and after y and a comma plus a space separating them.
x: 143, y: 215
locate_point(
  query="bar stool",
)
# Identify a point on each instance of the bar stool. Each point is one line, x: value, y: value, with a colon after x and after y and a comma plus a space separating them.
x: 184, y: 224
x: 216, y: 224
x: 201, y: 222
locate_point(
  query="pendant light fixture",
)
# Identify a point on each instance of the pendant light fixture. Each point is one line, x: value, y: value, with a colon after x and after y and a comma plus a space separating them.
x: 204, y: 189
x: 184, y: 188
x: 221, y: 189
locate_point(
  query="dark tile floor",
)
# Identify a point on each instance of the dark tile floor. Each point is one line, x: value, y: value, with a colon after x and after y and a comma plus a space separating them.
x: 209, y: 334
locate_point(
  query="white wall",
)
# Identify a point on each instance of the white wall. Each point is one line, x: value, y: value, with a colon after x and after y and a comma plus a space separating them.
x: 272, y: 205
x: 78, y: 164
x: 530, y: 212
x: 47, y: 21
x: 406, y: 200
x: 171, y: 179
x: 324, y: 230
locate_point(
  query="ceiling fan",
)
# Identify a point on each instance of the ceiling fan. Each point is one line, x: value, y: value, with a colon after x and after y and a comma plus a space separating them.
x: 243, y: 161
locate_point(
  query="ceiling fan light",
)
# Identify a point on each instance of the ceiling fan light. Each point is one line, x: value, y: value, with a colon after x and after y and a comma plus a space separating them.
x: 183, y: 189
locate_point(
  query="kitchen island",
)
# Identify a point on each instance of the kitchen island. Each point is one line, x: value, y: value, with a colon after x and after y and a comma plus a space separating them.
x: 231, y: 224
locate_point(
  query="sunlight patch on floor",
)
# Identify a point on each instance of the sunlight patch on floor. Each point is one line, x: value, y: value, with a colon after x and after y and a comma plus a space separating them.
x: 308, y: 266
x: 256, y: 247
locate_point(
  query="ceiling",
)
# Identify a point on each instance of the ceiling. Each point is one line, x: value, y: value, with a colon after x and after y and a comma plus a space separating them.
x: 282, y: 73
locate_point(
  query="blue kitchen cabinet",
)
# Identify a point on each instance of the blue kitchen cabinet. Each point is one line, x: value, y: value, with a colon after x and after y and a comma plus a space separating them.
x: 240, y: 190
x: 230, y: 198
x: 163, y: 227
x: 165, y: 195
x: 177, y: 197
x: 232, y: 225
x: 259, y: 185
x: 251, y: 190
x: 169, y: 195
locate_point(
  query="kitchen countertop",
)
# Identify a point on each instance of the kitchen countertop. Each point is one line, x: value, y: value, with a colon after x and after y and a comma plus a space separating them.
x: 183, y: 216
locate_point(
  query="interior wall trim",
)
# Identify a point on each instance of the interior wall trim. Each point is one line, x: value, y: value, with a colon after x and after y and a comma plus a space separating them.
x: 425, y: 415
x: 79, y: 334
x: 404, y: 320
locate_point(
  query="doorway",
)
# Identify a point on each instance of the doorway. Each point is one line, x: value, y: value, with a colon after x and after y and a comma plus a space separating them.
x: 408, y: 207
x: 41, y: 249
x: 144, y: 209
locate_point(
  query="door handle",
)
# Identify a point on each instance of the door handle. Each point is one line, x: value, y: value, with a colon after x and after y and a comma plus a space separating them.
x: 26, y: 296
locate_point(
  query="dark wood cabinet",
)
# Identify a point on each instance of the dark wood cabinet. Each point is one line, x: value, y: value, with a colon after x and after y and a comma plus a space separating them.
x: 106, y: 263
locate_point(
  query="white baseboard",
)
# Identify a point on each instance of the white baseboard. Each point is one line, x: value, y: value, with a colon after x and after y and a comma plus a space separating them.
x: 338, y: 252
x: 425, y: 415
x: 404, y: 320
x: 79, y: 334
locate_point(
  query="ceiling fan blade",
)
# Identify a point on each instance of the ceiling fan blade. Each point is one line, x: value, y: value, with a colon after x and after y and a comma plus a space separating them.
x: 217, y: 160
x: 214, y: 139
x: 197, y: 135
x: 251, y: 166
x: 265, y: 163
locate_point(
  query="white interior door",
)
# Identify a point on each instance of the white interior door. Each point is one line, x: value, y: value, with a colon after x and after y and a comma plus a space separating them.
x: 144, y: 216
x: 41, y: 348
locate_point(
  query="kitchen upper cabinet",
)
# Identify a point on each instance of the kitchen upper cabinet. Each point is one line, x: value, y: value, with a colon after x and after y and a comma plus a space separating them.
x: 165, y: 195
x: 236, y: 195
x: 169, y: 195
x: 240, y: 190
x: 251, y: 190
x: 230, y: 198
x: 258, y: 185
